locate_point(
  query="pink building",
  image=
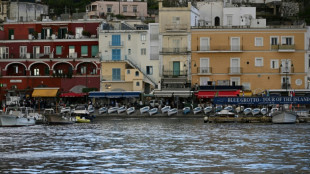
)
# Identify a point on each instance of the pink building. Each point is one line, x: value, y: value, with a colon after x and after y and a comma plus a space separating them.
x: 128, y: 8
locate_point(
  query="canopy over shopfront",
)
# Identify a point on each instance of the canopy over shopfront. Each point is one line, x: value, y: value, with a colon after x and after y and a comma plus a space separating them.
x: 118, y: 94
x: 45, y: 92
x: 212, y: 94
x: 73, y: 94
x: 184, y: 94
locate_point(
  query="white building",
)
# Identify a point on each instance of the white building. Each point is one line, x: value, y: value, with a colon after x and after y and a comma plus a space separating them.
x: 26, y: 11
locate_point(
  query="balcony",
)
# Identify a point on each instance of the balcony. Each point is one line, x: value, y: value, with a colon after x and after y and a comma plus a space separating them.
x: 286, y: 70
x: 113, y: 78
x: 283, y: 48
x: 235, y: 70
x: 204, y: 70
x: 176, y: 27
x: 116, y: 44
x: 181, y: 50
x: 174, y: 73
x: 111, y: 58
x: 220, y: 48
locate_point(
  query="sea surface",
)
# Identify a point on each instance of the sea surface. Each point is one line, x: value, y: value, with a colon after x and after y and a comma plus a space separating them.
x: 155, y: 145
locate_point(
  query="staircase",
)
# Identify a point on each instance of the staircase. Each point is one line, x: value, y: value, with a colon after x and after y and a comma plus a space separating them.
x: 146, y: 77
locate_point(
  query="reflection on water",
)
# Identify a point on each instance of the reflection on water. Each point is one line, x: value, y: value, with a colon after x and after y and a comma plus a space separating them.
x: 156, y: 145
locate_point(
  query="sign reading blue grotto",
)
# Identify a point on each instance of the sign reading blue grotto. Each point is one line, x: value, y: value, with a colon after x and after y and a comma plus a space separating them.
x: 261, y: 100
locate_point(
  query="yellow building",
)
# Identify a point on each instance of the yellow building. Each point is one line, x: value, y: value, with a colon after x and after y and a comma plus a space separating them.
x: 256, y: 59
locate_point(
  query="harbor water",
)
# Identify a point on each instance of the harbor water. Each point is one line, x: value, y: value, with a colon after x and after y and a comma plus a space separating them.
x: 155, y: 145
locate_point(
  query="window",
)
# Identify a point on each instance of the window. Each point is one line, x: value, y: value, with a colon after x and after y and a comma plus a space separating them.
x: 134, y: 9
x: 204, y: 65
x: 137, y: 73
x: 143, y: 37
x: 176, y: 45
x: 129, y: 37
x: 116, y: 40
x: 15, y: 69
x: 30, y: 30
x: 94, y: 50
x: 176, y: 20
x: 60, y: 71
x: 58, y: 50
x: 4, y: 52
x: 259, y: 61
x: 109, y: 9
x: 128, y: 71
x: 36, y: 51
x: 274, y: 64
x: 78, y: 32
x: 143, y: 51
x: 124, y: 8
x: 259, y: 41
x: 84, y: 50
x: 229, y: 20
x: 116, y: 74
x: 287, y: 40
x: 36, y: 72
x: 11, y: 34
x: 83, y: 70
x: 204, y: 81
x: 72, y: 53
x: 274, y: 40
x: 47, y: 49
x: 46, y: 33
x: 149, y: 70
x: 22, y: 51
x: 234, y: 81
x: 137, y: 83
x: 204, y: 43
x: 129, y: 51
x: 235, y: 43
x: 116, y: 54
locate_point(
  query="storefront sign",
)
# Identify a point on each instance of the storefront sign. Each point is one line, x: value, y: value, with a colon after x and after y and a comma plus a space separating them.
x: 261, y: 100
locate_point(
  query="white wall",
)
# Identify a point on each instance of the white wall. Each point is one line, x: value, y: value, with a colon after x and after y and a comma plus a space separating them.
x: 209, y: 10
x: 241, y: 16
x: 28, y: 11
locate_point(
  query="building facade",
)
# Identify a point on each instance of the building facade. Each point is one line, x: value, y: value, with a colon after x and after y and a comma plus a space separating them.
x: 255, y: 59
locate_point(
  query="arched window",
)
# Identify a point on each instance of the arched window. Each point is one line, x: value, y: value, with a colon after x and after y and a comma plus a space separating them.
x: 217, y: 21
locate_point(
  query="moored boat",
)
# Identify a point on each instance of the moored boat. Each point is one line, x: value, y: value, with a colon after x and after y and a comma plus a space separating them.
x: 16, y: 117
x: 207, y: 109
x: 186, y: 110
x: 172, y: 111
x: 165, y: 109
x: 121, y: 109
x: 247, y: 111
x: 284, y: 117
x: 82, y: 120
x: 58, y: 118
x: 255, y: 111
x: 102, y: 110
x: 112, y: 110
x: 153, y: 111
x: 130, y: 110
x: 144, y: 109
x: 197, y: 110
x: 264, y: 111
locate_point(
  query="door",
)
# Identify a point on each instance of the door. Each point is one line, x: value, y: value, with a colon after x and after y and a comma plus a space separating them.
x: 36, y: 51
x: 235, y: 44
x: 176, y: 68
x: 78, y: 32
x: 116, y: 54
x: 204, y: 65
x: 285, y: 65
x: 234, y: 65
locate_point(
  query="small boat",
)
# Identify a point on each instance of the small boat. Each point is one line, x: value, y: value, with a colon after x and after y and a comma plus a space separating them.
x: 153, y: 111
x: 172, y: 111
x: 91, y: 109
x: 121, y: 109
x: 82, y: 111
x: 197, y: 110
x: 144, y: 109
x: 239, y: 109
x: 16, y: 117
x: 226, y: 113
x: 130, y: 110
x: 264, y: 111
x: 247, y: 111
x: 218, y: 108
x: 58, y: 118
x: 273, y: 110
x: 165, y: 109
x: 255, y: 111
x: 102, y: 110
x: 112, y: 110
x: 65, y: 109
x: 284, y: 117
x: 36, y: 116
x: 229, y: 108
x: 207, y: 109
x: 82, y: 120
x: 186, y: 110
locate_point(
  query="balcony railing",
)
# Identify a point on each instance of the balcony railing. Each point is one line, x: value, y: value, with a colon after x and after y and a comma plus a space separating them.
x: 235, y: 70
x: 113, y: 78
x: 118, y: 44
x: 286, y: 70
x: 204, y: 70
x: 284, y: 48
x: 176, y: 27
x: 181, y: 50
x: 174, y: 73
x: 220, y: 48
x: 113, y: 58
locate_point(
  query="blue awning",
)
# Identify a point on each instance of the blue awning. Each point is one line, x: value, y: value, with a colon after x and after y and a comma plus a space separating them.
x: 118, y: 94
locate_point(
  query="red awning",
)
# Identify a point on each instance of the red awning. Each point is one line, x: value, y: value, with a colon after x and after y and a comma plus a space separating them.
x: 211, y: 94
x: 72, y: 94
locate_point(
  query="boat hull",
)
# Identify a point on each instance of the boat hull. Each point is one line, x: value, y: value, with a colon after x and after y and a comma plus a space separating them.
x: 59, y: 119
x: 12, y: 121
x: 284, y: 117
x: 82, y: 120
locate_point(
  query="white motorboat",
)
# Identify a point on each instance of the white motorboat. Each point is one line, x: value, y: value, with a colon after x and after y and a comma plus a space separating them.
x: 112, y: 110
x: 102, y: 110
x: 153, y: 111
x: 284, y: 117
x: 207, y: 109
x: 218, y: 108
x: 65, y: 109
x: 186, y: 110
x: 273, y: 110
x: 165, y: 109
x: 80, y: 110
x: 225, y: 112
x: 264, y: 111
x: 197, y: 110
x: 130, y: 110
x: 38, y: 117
x: 247, y: 111
x: 255, y: 111
x: 58, y: 118
x: 91, y: 109
x: 144, y: 109
x: 172, y: 111
x: 121, y: 109
x: 229, y: 108
x: 16, y: 117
